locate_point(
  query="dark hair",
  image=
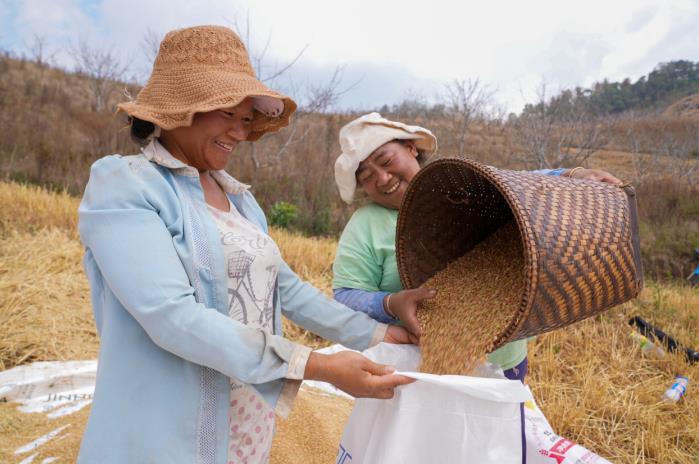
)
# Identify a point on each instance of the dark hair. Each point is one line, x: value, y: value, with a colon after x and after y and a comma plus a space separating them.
x: 141, y: 130
x: 421, y: 156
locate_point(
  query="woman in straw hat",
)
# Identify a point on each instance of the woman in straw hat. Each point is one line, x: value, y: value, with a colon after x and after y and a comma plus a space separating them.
x: 187, y: 287
x: 382, y: 157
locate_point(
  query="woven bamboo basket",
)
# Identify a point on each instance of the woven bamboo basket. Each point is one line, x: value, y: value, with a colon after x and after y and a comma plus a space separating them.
x: 579, y: 238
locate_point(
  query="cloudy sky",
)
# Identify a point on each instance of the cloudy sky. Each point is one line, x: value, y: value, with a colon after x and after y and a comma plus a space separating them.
x: 390, y: 50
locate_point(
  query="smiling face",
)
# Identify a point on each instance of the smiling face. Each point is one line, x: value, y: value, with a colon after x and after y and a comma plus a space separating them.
x: 386, y: 173
x: 212, y: 137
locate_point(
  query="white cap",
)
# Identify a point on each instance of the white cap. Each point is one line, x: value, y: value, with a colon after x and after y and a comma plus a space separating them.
x: 360, y: 137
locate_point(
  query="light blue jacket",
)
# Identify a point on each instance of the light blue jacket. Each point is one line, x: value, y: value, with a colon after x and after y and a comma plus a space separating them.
x: 159, y: 294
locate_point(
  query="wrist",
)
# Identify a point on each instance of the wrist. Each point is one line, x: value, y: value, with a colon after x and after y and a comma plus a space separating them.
x: 316, y: 367
x: 570, y: 172
x: 387, y: 306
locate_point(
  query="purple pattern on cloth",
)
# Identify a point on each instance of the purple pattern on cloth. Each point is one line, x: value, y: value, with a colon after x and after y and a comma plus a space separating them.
x: 518, y: 373
x: 524, y: 435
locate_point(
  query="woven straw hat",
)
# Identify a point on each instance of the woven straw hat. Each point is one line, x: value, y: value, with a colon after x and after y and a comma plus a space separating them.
x: 360, y: 137
x: 202, y: 69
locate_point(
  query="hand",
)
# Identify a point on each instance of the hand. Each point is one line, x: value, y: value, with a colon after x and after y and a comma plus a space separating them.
x: 403, y: 306
x: 398, y: 335
x: 354, y: 374
x: 596, y: 175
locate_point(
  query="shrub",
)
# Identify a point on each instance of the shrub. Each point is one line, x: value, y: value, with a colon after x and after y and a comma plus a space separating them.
x: 283, y: 214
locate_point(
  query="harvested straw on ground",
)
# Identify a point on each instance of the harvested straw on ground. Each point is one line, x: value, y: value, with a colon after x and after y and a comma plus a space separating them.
x: 312, y: 432
x: 310, y: 435
x: 45, y: 312
x: 28, y: 208
x: 18, y: 429
x: 476, y: 298
x: 590, y: 379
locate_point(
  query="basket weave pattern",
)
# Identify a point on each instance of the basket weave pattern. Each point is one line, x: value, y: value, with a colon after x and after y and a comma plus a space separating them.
x: 579, y: 238
x: 202, y: 69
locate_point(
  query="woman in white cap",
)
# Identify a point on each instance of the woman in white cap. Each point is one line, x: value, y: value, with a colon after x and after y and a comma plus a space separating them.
x: 382, y: 157
x: 188, y: 289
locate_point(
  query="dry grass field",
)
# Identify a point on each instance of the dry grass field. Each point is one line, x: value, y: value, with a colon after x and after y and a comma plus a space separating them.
x: 590, y: 379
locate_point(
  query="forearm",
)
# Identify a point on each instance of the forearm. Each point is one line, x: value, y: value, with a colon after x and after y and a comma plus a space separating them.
x: 551, y: 172
x: 180, y: 325
x: 312, y: 310
x: 370, y: 303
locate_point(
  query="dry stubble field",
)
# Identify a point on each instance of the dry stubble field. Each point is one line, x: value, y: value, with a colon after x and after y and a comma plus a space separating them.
x: 590, y: 379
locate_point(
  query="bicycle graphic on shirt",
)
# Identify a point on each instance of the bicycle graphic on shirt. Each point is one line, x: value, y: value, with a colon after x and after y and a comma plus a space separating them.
x: 239, y: 263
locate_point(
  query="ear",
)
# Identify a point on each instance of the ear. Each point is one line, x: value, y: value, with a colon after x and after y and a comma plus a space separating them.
x: 410, y: 145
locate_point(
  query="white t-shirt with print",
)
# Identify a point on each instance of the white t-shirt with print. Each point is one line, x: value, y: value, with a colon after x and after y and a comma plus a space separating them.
x: 252, y: 264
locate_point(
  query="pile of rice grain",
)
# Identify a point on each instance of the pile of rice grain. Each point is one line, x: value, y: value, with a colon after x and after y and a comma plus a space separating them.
x: 312, y: 432
x: 477, y: 296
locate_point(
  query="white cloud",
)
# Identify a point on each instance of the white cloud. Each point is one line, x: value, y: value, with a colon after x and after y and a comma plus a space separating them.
x: 508, y: 44
x: 58, y: 19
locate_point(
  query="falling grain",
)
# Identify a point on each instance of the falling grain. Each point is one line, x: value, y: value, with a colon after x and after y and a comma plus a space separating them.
x: 477, y: 296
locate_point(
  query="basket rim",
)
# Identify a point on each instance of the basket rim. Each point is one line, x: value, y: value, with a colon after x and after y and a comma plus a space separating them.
x: 526, y: 235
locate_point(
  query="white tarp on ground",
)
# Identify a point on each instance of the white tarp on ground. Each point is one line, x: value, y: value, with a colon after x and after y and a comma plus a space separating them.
x: 58, y: 388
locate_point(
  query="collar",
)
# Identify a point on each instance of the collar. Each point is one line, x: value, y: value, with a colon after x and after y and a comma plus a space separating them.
x: 158, y: 154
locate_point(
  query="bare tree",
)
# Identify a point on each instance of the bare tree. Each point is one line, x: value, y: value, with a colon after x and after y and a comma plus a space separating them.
x: 635, y: 138
x: 676, y: 143
x: 103, y: 67
x: 265, y: 71
x: 40, y: 52
x: 150, y: 44
x: 318, y: 98
x: 322, y: 97
x: 660, y: 146
x: 556, y: 132
x: 467, y: 101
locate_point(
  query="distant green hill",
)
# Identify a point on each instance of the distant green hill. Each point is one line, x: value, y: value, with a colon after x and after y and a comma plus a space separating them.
x: 667, y: 83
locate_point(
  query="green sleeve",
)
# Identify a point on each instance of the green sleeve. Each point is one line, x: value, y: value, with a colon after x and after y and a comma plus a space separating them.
x: 509, y: 355
x: 356, y: 264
